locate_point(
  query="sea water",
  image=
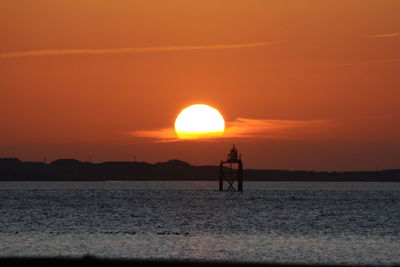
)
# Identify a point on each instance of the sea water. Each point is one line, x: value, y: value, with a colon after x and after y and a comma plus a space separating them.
x: 286, y: 222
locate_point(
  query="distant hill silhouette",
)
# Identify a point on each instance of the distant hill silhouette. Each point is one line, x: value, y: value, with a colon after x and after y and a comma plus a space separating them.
x: 12, y: 169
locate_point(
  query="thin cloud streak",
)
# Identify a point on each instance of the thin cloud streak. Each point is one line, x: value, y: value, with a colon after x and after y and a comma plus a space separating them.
x: 59, y: 52
x: 253, y: 129
x: 164, y: 135
x: 385, y: 35
x: 371, y: 62
x: 383, y: 61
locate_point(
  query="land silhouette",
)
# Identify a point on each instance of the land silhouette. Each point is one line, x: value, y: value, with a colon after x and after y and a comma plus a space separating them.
x: 13, y: 169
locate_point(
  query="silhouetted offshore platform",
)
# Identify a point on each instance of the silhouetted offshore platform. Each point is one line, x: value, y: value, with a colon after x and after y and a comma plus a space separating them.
x: 233, y: 175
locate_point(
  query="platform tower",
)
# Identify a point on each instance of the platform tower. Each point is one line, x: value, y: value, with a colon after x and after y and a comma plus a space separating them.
x: 233, y: 174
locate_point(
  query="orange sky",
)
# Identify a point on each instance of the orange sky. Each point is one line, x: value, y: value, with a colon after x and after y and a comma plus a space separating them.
x: 325, y: 73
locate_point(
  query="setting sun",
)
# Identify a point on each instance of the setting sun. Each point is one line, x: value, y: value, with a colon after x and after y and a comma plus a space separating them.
x: 199, y: 121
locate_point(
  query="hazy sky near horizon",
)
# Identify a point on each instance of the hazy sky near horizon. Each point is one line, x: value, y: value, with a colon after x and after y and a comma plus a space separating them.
x: 302, y: 84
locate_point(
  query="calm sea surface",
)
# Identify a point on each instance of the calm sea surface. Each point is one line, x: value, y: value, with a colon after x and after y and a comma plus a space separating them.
x: 288, y: 222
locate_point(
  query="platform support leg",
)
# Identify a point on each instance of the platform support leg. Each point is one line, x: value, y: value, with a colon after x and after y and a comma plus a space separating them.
x: 240, y: 177
x: 221, y: 177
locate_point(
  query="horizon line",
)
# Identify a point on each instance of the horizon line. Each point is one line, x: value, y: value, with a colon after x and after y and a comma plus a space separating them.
x: 206, y: 165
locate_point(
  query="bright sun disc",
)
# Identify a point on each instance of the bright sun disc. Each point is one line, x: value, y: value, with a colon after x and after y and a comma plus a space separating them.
x: 199, y: 121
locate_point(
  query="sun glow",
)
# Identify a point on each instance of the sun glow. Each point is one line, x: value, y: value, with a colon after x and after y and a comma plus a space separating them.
x: 199, y: 121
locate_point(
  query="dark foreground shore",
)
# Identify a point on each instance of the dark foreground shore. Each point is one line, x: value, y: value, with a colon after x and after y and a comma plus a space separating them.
x: 92, y: 261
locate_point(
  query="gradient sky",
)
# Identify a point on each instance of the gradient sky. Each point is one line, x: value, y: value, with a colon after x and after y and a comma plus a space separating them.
x: 303, y: 84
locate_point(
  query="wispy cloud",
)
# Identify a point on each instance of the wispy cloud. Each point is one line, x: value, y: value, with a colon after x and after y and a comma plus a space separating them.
x: 133, y: 50
x: 248, y: 128
x: 273, y: 129
x: 385, y: 35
